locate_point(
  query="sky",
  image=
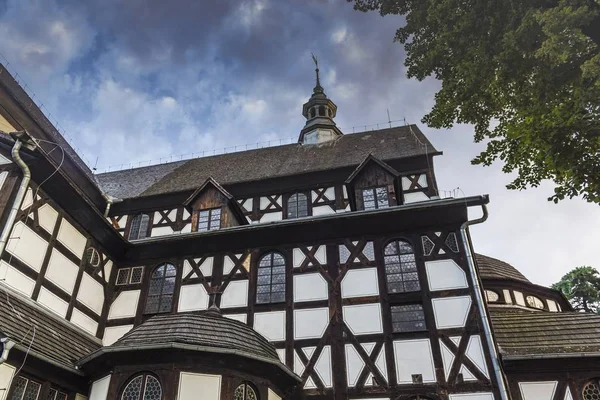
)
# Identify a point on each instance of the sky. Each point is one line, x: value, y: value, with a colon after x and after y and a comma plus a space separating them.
x: 131, y: 81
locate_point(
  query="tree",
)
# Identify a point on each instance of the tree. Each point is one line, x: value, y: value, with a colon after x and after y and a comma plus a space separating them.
x: 582, y: 288
x: 526, y: 74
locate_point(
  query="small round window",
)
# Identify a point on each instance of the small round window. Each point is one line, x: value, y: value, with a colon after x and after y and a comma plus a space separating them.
x: 534, y: 302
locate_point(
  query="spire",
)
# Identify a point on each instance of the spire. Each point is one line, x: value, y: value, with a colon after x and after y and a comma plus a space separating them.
x: 319, y: 112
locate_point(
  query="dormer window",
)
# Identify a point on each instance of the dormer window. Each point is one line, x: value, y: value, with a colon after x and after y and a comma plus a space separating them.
x: 375, y: 198
x: 209, y: 220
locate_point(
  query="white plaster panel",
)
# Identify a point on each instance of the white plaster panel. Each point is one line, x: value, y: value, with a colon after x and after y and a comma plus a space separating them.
x: 330, y: 193
x: 281, y: 354
x: 354, y: 365
x: 309, y: 287
x: 472, y: 396
x: 414, y: 357
x: 475, y: 354
x: 91, y: 293
x: 447, y: 358
x: 537, y: 390
x: 186, y: 214
x: 270, y: 324
x: 84, y: 322
x: 321, y: 255
x: 323, y: 366
x: 62, y: 271
x: 310, y: 323
x: 552, y: 305
x: 6, y: 374
x: 298, y: 257
x: 415, y: 197
x: 199, y: 386
x: 16, y: 279
x: 192, y: 298
x: 444, y: 275
x: 322, y: 210
x: 519, y: 298
x: 3, y: 160
x: 363, y: 319
x: 187, y: 228
x: 107, y: 270
x: 53, y: 302
x: 405, y: 183
x: 71, y: 238
x: 100, y: 389
x: 360, y: 282
x: 422, y: 180
x: 272, y: 395
x: 47, y: 217
x: 381, y: 363
x: 228, y: 265
x: 28, y: 200
x: 568, y: 395
x: 247, y: 205
x: 161, y: 231
x: 172, y: 215
x: 27, y: 246
x: 235, y: 294
x: 272, y: 216
x: 238, y: 317
x: 206, y: 267
x: 3, y: 174
x: 264, y: 202
x: 467, y: 375
x: 187, y: 268
x: 451, y: 312
x: 125, y: 305
x: 114, y: 333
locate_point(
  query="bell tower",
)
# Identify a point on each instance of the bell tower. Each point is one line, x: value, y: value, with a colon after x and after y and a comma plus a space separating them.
x: 319, y: 112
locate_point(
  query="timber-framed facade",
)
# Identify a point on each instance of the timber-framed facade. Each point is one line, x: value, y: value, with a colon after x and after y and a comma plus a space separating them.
x: 326, y: 269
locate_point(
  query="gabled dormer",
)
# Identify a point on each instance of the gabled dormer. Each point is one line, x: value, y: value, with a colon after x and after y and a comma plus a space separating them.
x: 373, y: 185
x: 212, y: 207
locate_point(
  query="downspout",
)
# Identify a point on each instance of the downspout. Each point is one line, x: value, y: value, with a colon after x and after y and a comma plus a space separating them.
x: 487, y: 328
x: 20, y: 137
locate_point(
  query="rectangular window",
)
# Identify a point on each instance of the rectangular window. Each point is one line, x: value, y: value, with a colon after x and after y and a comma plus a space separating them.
x: 123, y: 276
x: 375, y: 198
x: 209, y: 220
x: 130, y: 276
x: 408, y: 318
x: 25, y: 389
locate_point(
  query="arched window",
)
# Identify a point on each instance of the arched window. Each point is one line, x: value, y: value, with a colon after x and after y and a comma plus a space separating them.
x: 162, y: 286
x: 297, y: 206
x: 139, y: 227
x: 535, y: 302
x: 270, y: 285
x: 400, y: 267
x: 321, y: 111
x: 491, y: 296
x: 142, y: 387
x: 591, y: 391
x: 245, y: 392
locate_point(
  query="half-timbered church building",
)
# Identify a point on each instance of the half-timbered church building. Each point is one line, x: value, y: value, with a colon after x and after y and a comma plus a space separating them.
x: 325, y: 269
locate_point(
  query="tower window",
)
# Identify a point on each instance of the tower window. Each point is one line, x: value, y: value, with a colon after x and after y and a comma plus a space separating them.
x: 400, y: 267
x: 408, y: 318
x: 321, y: 111
x: 245, y: 392
x: 270, y: 285
x: 209, y: 220
x: 534, y: 302
x: 139, y: 227
x: 142, y: 387
x: 297, y: 206
x: 162, y: 286
x: 375, y: 198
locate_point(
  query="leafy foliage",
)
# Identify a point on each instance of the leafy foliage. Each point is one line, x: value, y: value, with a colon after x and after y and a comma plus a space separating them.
x: 526, y: 74
x: 582, y: 288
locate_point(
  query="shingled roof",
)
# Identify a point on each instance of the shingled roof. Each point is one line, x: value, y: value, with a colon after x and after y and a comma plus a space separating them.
x: 529, y: 333
x: 53, y: 339
x: 492, y: 268
x: 271, y: 162
x: 208, y: 329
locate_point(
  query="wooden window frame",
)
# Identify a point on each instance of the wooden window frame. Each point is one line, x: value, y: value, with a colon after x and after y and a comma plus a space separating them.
x: 422, y: 320
x: 162, y: 294
x: 373, y: 190
x: 402, y: 274
x: 140, y: 231
x: 270, y: 267
x: 286, y: 208
x: 210, y: 214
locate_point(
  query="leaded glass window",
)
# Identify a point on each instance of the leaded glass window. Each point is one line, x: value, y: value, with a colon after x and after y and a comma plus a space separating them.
x: 139, y: 227
x: 408, y: 318
x: 25, y: 389
x: 491, y: 296
x: 142, y: 387
x: 270, y: 284
x: 297, y: 206
x: 245, y: 392
x: 54, y: 394
x: 534, y: 302
x: 209, y: 220
x: 591, y: 391
x: 162, y: 287
x: 451, y: 242
x: 400, y: 267
x: 375, y: 198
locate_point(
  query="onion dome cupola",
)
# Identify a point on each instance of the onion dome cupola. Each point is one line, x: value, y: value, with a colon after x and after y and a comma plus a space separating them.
x: 319, y: 112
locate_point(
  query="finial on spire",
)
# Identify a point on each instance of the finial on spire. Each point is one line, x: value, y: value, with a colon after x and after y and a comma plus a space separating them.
x: 316, y: 61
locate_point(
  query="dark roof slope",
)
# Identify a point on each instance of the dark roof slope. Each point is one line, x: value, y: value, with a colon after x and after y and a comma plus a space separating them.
x: 204, y: 328
x: 521, y: 332
x: 271, y: 162
x: 492, y: 268
x: 53, y: 338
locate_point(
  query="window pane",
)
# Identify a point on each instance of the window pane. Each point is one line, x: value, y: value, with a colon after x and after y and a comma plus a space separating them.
x: 19, y: 385
x: 408, y: 318
x: 153, y: 390
x: 369, y: 199
x: 382, y: 197
x: 162, y: 287
x: 133, y: 390
x: 271, y: 279
x: 32, y: 391
x: 400, y: 268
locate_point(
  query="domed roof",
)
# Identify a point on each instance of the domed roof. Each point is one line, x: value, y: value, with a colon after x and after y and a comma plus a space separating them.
x: 208, y: 329
x: 492, y: 268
